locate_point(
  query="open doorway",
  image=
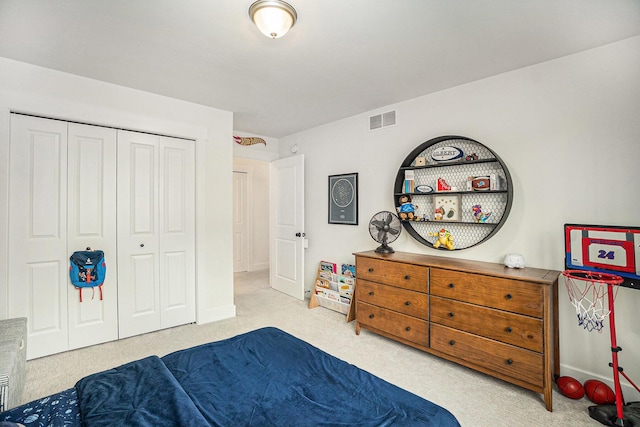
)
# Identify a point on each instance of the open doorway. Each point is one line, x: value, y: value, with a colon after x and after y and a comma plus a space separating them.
x: 250, y: 215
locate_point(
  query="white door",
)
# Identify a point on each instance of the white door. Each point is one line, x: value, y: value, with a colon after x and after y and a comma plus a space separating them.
x: 92, y: 223
x: 240, y: 249
x: 156, y: 232
x: 287, y: 226
x: 138, y: 242
x: 38, y: 260
x: 176, y: 229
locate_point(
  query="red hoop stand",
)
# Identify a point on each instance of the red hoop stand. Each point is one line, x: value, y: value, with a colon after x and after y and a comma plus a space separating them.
x: 610, y: 280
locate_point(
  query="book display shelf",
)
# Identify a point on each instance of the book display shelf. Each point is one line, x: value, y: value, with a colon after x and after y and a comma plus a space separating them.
x: 334, y: 288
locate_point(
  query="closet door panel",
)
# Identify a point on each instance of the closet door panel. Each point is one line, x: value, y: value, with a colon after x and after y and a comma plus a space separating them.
x: 177, y: 231
x: 138, y: 261
x: 92, y: 223
x: 37, y: 270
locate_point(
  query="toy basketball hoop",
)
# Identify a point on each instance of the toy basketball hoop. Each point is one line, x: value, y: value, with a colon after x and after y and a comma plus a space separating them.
x: 587, y: 291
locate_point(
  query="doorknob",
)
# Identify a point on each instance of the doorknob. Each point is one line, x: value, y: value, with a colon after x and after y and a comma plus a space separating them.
x: 300, y: 234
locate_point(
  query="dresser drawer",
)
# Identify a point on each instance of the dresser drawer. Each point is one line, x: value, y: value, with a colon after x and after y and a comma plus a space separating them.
x: 406, y: 276
x: 516, y: 329
x: 411, y: 303
x: 511, y: 295
x: 503, y: 358
x: 391, y: 322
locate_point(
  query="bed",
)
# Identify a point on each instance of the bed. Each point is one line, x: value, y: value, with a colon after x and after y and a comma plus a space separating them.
x: 266, y: 377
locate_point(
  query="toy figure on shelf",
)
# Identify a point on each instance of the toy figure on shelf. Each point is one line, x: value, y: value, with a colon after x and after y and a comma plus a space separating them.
x: 407, y: 210
x: 479, y: 215
x: 445, y: 239
x: 438, y: 213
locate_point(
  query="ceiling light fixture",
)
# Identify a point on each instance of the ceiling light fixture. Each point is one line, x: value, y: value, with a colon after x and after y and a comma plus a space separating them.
x: 273, y: 17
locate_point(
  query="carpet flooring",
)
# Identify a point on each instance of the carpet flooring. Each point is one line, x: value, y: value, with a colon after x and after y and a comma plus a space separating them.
x: 477, y: 400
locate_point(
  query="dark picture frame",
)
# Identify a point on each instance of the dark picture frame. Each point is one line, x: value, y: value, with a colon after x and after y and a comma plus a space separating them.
x: 343, y: 199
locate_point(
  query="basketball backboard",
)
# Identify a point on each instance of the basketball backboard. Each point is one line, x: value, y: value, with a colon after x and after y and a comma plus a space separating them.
x: 605, y: 249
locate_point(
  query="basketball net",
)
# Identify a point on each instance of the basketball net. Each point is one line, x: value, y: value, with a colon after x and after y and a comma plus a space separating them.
x: 587, y: 291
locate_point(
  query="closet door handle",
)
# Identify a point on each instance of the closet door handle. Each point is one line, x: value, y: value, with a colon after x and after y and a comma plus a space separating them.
x: 142, y: 245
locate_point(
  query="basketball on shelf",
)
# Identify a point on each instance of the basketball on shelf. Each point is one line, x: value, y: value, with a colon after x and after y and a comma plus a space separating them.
x: 599, y: 393
x: 570, y: 387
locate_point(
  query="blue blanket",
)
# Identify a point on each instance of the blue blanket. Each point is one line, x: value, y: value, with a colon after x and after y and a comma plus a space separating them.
x: 270, y: 378
x: 262, y: 378
x: 140, y: 393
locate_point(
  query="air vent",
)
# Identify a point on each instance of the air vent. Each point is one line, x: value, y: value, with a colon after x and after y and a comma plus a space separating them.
x: 382, y: 120
x: 375, y: 122
x: 389, y: 119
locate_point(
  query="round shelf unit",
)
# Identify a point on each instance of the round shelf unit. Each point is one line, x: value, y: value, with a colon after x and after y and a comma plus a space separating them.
x: 477, y: 161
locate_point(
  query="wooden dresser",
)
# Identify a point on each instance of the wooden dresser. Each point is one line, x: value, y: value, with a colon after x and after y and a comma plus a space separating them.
x: 494, y: 319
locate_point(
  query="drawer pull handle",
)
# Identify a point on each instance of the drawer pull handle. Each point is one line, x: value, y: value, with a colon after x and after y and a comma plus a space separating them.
x: 407, y: 303
x: 371, y: 270
x: 407, y: 277
x: 452, y: 342
x: 508, y: 329
x: 508, y: 296
x: 371, y: 316
x: 451, y: 285
x: 408, y: 328
x: 371, y: 293
x: 451, y: 314
x: 509, y: 362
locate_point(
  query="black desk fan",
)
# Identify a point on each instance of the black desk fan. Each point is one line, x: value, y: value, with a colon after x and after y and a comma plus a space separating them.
x: 385, y: 228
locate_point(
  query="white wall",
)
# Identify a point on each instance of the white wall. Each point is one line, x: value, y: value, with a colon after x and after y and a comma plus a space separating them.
x: 49, y: 93
x: 569, y: 132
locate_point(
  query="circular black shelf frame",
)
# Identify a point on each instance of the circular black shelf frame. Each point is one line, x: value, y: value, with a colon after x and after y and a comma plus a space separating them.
x: 474, y: 232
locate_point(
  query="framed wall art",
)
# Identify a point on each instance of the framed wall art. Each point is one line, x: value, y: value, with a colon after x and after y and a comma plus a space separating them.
x: 343, y: 199
x: 447, y: 207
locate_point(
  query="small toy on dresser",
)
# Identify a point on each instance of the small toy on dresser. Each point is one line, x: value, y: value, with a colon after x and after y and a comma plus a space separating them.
x: 514, y: 261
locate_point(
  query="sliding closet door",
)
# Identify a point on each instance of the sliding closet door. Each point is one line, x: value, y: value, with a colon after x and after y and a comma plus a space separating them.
x: 138, y: 240
x: 38, y: 260
x: 92, y: 223
x: 177, y: 231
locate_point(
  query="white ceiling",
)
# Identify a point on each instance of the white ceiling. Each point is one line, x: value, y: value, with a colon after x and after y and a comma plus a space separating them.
x: 343, y: 57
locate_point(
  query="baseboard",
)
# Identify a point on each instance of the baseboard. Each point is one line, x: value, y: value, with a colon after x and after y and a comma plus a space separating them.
x: 259, y: 266
x: 215, y: 314
x: 630, y: 394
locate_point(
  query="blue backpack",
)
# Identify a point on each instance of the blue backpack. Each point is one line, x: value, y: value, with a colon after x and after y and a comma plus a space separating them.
x: 87, y: 269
